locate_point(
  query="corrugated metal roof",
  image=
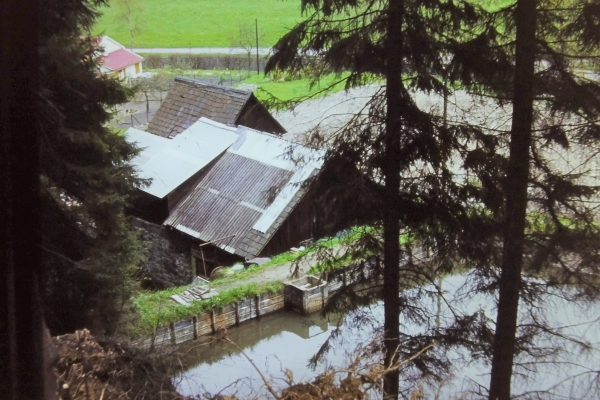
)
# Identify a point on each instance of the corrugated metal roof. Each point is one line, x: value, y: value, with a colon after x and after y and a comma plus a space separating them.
x: 247, y: 193
x: 228, y: 200
x: 279, y: 153
x: 170, y: 162
x: 188, y: 100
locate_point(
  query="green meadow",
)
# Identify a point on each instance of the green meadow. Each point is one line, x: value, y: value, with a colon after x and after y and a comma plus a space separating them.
x: 199, y: 23
x: 207, y: 23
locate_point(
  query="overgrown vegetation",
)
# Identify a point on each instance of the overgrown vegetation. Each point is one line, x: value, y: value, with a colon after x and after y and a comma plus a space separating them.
x: 158, y: 309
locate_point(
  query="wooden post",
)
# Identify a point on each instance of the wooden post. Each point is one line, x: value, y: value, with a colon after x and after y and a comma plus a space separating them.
x: 195, y: 324
x: 172, y: 330
x: 237, y: 313
x: 203, y: 262
x: 193, y: 271
x: 257, y: 299
x: 213, y: 322
x: 257, y: 64
x: 152, y: 341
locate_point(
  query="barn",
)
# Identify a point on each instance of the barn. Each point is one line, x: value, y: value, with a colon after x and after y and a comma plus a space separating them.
x: 189, y: 100
x: 244, y: 192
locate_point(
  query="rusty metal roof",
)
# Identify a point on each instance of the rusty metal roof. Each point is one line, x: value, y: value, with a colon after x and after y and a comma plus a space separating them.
x: 248, y: 193
x: 188, y: 100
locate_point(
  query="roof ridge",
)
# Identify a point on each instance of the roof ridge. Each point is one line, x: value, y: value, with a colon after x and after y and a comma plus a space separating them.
x: 127, y: 50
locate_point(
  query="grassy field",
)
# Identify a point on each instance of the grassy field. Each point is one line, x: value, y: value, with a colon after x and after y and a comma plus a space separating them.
x: 272, y: 85
x: 200, y: 23
x: 285, y: 90
x: 208, y: 23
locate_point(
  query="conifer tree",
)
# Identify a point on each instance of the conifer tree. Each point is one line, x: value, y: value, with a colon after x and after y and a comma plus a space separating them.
x: 88, y: 248
x: 402, y: 153
x: 550, y: 227
x: 549, y: 221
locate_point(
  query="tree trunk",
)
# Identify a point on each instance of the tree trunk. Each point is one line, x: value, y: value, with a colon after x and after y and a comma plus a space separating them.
x: 391, y: 225
x: 21, y: 340
x: 516, y: 202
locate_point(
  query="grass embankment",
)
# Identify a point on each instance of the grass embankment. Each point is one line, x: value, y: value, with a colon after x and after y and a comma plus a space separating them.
x: 200, y: 23
x: 157, y: 309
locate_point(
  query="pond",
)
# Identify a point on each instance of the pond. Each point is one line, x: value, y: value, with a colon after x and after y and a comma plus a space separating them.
x: 286, y: 340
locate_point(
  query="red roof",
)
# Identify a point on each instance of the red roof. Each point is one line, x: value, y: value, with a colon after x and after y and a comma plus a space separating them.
x: 120, y: 59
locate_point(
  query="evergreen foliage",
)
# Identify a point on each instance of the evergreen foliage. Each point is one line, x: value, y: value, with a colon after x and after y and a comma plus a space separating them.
x: 89, y: 252
x: 383, y: 146
x: 464, y: 216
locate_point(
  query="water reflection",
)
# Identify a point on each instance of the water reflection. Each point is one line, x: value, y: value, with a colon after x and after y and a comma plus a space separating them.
x: 287, y: 340
x: 278, y: 341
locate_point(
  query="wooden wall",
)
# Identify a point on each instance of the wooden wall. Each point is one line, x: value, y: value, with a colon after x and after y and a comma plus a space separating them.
x: 212, y: 321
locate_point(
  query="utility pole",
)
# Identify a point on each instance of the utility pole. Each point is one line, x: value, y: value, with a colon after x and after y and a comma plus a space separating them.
x: 256, y: 28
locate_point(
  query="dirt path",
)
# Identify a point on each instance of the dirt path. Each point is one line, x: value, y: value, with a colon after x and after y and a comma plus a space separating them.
x: 273, y: 273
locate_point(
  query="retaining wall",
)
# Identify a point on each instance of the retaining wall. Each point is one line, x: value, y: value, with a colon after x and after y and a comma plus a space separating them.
x: 235, y: 313
x: 212, y: 321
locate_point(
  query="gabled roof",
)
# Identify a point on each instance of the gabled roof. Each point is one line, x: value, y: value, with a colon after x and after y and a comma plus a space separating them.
x: 248, y: 193
x: 120, y: 59
x: 188, y: 100
x: 170, y: 162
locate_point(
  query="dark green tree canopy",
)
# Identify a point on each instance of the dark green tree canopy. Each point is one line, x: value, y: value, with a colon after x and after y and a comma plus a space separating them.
x: 459, y: 217
x: 85, y: 176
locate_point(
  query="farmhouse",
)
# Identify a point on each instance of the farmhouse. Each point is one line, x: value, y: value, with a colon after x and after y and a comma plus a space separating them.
x: 189, y: 100
x: 119, y: 61
x: 244, y: 192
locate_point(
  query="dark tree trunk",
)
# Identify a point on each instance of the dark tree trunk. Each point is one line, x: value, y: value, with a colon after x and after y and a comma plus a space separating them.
x: 391, y: 217
x: 21, y: 340
x: 516, y: 202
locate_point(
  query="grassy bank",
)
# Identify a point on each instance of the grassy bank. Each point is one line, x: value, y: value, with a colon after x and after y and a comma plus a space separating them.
x: 158, y: 309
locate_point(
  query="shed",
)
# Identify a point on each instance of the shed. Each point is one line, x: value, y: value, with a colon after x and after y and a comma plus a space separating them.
x: 188, y: 100
x: 174, y: 165
x: 254, y: 200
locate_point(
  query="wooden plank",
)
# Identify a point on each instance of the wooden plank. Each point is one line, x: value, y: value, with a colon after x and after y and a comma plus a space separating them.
x: 225, y: 318
x: 179, y: 299
x: 205, y: 325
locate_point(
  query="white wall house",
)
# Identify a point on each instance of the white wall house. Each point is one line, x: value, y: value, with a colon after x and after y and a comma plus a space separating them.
x: 119, y: 61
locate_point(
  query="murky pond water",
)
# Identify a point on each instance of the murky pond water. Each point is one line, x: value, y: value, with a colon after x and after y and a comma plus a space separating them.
x: 279, y: 341
x: 286, y: 340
